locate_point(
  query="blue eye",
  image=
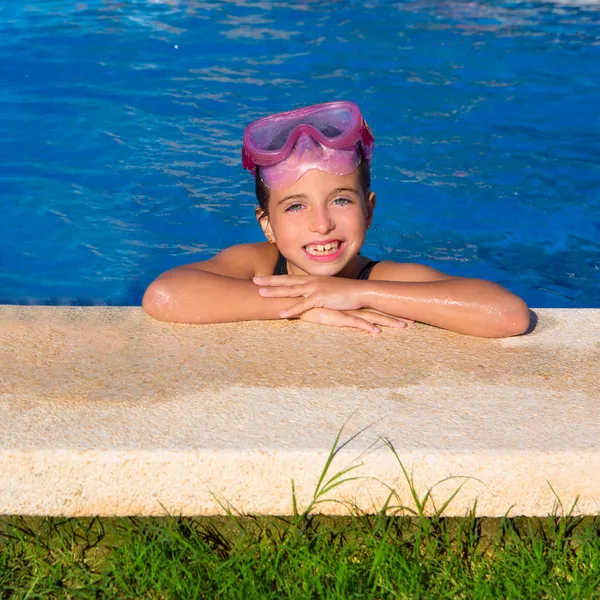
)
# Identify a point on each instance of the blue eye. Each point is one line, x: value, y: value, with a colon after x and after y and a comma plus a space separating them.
x: 344, y: 201
x: 293, y: 207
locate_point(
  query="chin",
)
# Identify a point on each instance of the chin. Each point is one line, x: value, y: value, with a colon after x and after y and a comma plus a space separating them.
x: 324, y: 269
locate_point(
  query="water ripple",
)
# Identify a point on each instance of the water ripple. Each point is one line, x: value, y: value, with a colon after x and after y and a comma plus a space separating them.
x: 122, y: 128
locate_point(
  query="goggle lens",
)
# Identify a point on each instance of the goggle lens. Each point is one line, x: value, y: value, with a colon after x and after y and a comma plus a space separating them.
x: 335, y: 125
x: 331, y: 123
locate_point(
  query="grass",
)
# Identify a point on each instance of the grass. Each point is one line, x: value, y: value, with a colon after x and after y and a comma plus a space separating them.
x: 371, y: 556
x: 394, y: 553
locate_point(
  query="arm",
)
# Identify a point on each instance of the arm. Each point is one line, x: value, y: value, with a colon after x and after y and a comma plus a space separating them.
x: 218, y: 290
x: 469, y: 306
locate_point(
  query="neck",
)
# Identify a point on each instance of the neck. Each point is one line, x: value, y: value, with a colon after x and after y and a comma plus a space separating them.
x: 350, y: 270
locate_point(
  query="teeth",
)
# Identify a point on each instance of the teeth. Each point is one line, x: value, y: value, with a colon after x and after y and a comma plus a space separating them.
x: 318, y: 249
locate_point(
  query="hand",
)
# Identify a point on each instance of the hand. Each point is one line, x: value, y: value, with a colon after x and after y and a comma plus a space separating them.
x: 360, y: 319
x: 337, y: 293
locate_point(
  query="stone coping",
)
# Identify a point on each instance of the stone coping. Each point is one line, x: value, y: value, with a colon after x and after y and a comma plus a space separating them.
x: 106, y: 411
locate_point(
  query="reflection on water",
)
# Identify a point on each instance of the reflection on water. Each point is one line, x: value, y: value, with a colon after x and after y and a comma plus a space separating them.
x: 123, y: 122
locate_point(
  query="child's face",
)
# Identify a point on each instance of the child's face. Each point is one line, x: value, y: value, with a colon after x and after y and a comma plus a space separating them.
x: 319, y: 210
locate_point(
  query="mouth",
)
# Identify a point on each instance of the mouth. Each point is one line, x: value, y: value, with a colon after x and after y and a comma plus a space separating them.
x: 324, y: 252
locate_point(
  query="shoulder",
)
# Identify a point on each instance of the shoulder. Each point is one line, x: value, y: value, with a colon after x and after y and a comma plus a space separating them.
x: 410, y: 272
x: 242, y: 261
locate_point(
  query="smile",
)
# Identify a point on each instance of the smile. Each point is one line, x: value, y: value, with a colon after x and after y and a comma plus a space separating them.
x: 324, y: 252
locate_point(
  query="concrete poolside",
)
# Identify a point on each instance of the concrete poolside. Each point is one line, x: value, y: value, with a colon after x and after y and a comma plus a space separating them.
x: 106, y: 411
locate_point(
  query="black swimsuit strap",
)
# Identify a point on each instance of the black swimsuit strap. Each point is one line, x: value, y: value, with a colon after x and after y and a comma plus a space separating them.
x: 281, y: 267
x: 364, y: 274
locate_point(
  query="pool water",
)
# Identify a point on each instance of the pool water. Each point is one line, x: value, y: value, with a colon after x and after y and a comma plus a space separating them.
x: 121, y: 126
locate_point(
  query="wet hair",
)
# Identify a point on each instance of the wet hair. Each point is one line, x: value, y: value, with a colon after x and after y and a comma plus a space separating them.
x: 364, y: 180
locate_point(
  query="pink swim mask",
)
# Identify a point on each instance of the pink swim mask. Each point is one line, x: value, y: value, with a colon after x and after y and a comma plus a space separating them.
x: 324, y: 137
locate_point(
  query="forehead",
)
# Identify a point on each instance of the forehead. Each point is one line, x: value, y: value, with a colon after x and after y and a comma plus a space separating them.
x: 315, y: 183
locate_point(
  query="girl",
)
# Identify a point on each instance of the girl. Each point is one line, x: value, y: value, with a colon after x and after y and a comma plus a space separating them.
x: 313, y: 185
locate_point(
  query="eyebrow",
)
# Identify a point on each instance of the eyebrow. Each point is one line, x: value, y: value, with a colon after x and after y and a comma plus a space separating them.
x: 339, y: 190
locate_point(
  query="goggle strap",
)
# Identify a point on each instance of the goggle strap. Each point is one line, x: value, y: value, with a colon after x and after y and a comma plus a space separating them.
x: 247, y: 161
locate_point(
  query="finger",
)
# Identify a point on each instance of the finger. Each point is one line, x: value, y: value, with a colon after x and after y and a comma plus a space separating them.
x: 380, y: 318
x: 336, y: 318
x: 298, y: 308
x: 376, y: 312
x: 359, y: 323
x: 292, y: 291
x: 278, y: 280
x: 384, y: 320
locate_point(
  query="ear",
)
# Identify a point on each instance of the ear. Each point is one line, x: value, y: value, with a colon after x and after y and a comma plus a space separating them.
x: 263, y: 221
x: 370, y: 208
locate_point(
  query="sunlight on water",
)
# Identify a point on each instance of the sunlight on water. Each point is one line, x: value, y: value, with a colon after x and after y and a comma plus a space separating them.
x: 122, y: 128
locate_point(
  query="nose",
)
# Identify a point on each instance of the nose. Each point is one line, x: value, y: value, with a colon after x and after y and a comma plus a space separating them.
x: 321, y: 221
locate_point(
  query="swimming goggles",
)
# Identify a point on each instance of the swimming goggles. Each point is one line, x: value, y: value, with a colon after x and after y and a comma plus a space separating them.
x: 324, y: 137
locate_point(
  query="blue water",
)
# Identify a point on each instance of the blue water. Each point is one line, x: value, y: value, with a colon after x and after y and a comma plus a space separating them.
x: 121, y: 125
